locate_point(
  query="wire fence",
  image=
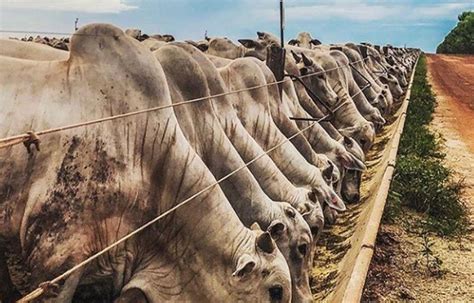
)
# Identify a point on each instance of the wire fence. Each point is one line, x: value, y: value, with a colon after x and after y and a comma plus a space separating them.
x: 25, y: 137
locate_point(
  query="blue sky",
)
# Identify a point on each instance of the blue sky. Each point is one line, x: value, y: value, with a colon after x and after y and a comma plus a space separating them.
x: 421, y: 23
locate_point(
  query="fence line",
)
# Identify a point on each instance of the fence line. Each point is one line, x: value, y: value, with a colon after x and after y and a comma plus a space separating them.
x: 25, y: 137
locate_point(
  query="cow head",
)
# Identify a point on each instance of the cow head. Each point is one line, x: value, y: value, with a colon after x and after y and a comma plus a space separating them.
x: 363, y: 133
x: 260, y: 272
x: 352, y: 147
x: 350, y: 187
x: 268, y: 39
x: 304, y: 40
x: 293, y: 237
x: 376, y: 117
x: 222, y: 47
x: 307, y: 204
x: 325, y: 194
x: 399, y: 73
x: 349, y: 164
x: 164, y: 38
x: 380, y: 102
x: 202, y: 45
x: 329, y: 170
x: 393, y: 85
x: 315, y: 78
x: 254, y: 48
x: 133, y: 32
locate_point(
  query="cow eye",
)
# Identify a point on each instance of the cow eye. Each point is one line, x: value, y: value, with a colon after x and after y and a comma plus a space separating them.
x: 303, y: 249
x: 290, y: 212
x: 276, y: 293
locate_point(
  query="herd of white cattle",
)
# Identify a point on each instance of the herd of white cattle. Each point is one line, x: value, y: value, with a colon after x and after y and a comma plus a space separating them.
x: 251, y: 237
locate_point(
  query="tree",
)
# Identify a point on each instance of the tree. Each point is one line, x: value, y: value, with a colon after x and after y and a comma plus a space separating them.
x: 461, y: 38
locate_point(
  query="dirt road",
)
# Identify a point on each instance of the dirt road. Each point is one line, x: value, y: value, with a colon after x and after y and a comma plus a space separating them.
x: 452, y: 78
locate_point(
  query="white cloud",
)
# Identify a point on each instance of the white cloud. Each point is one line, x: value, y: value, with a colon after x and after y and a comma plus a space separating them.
x: 358, y: 10
x: 87, y: 6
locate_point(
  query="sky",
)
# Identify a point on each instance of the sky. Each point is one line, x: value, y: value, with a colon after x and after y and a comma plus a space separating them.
x: 421, y: 23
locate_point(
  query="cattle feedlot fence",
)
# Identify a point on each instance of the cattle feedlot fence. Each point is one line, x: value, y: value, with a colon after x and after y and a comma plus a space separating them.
x: 33, y: 137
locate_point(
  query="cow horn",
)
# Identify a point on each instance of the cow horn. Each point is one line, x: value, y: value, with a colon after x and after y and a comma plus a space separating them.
x: 255, y: 226
x: 295, y: 55
x: 307, y: 61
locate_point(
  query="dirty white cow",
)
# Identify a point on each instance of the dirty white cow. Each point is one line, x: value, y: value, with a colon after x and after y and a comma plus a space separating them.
x: 90, y: 186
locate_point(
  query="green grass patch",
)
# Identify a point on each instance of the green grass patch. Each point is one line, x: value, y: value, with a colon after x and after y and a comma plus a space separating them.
x: 421, y: 181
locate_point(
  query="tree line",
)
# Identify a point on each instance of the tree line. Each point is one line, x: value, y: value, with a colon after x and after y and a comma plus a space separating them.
x: 461, y: 38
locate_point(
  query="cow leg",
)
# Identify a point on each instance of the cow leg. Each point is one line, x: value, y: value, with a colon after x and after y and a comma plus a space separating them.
x: 132, y: 295
x: 8, y: 292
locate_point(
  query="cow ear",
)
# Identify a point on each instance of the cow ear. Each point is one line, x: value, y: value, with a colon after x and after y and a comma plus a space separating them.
x: 249, y: 43
x: 378, y: 118
x: 383, y: 79
x: 293, y: 42
x: 349, y: 161
x: 336, y: 203
x: 347, y: 141
x: 203, y: 47
x: 169, y: 38
x: 307, y: 61
x: 312, y: 196
x: 371, y: 125
x: 245, y: 265
x: 348, y: 131
x: 315, y: 42
x: 276, y: 229
x: 296, y: 57
x: 304, y: 71
x: 265, y: 243
x: 327, y: 173
x: 255, y: 226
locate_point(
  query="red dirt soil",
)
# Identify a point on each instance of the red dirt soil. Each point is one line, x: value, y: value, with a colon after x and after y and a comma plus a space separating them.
x: 453, y: 80
x: 399, y: 271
